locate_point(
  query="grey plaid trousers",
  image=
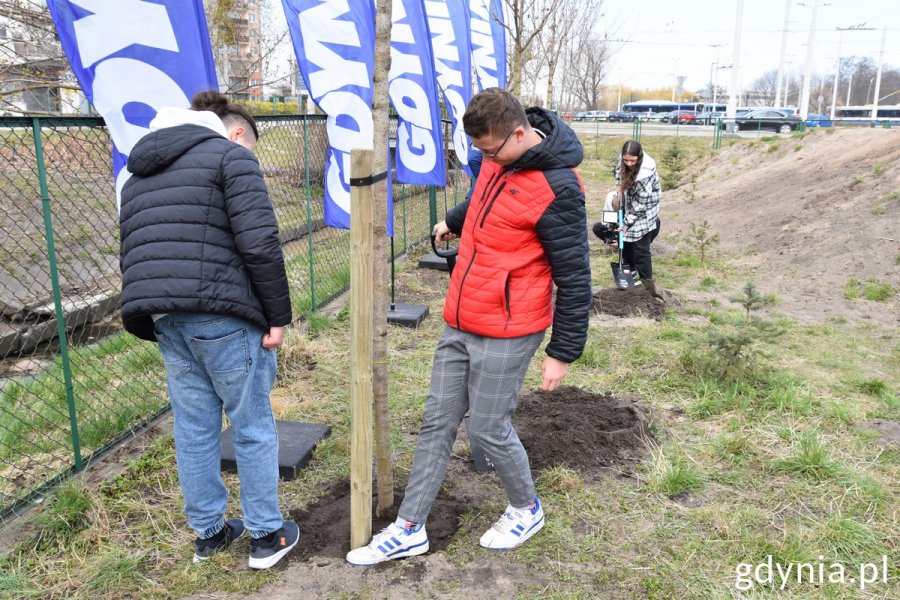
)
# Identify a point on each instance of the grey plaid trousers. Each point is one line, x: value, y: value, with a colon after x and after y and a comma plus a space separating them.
x: 481, y: 375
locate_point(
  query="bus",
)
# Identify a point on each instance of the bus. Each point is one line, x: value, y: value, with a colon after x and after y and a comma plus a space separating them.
x: 862, y: 115
x: 664, y: 106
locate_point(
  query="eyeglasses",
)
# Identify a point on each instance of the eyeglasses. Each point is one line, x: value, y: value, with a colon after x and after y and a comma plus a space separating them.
x: 500, y: 149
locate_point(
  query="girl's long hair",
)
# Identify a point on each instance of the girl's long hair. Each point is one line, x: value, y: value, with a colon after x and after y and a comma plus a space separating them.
x: 629, y: 174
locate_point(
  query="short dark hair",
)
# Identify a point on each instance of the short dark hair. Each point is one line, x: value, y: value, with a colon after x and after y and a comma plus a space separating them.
x: 226, y: 110
x: 493, y: 111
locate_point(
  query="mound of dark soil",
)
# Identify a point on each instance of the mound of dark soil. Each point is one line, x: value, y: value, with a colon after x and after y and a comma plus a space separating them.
x: 567, y: 427
x: 642, y: 301
x: 580, y: 430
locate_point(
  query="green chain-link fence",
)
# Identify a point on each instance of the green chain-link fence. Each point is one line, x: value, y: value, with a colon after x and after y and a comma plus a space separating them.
x: 72, y: 382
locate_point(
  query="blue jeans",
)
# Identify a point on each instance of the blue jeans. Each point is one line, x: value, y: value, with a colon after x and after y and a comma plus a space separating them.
x: 215, y: 362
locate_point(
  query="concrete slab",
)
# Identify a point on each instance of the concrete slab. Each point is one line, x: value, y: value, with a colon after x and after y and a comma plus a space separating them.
x: 407, y: 315
x: 296, y: 442
x: 9, y: 340
x: 433, y: 261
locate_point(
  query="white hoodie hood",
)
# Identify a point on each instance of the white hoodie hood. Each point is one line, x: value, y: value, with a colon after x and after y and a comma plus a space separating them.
x: 172, y: 117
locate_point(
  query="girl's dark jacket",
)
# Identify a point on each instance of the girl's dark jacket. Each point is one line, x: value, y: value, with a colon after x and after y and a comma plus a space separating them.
x: 198, y: 232
x: 522, y: 231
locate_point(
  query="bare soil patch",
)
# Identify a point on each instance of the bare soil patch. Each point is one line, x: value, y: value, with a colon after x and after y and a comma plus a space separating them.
x: 804, y: 216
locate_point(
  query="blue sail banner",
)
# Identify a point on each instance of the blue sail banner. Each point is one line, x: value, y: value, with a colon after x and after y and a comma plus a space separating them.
x: 488, y: 39
x: 413, y: 92
x: 448, y: 22
x: 334, y: 42
x: 133, y: 57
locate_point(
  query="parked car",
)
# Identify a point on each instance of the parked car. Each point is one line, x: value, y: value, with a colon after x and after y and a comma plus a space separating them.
x: 771, y: 120
x: 580, y: 115
x: 617, y: 117
x: 818, y: 120
x: 673, y: 116
x: 708, y: 117
x: 660, y: 117
x: 687, y: 117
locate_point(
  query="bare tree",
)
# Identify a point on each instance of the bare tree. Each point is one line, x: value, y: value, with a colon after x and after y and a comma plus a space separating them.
x: 572, y: 19
x: 858, y: 75
x: 525, y: 19
x: 587, y: 58
x: 380, y: 112
x: 246, y: 44
x: 763, y: 88
x: 33, y: 68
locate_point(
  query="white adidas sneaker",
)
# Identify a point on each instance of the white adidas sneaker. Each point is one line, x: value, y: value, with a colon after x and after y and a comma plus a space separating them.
x: 393, y: 542
x: 514, y: 527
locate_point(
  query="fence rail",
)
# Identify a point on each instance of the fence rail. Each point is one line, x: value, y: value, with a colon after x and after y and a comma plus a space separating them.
x: 72, y: 382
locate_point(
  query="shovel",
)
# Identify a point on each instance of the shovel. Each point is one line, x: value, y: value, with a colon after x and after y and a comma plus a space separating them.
x: 624, y: 281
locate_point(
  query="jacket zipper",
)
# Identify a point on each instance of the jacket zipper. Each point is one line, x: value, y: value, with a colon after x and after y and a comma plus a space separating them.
x: 508, y: 307
x: 486, y: 207
x: 487, y: 194
x: 491, y: 204
x: 462, y: 282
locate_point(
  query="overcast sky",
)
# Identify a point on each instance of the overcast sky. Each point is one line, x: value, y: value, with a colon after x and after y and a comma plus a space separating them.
x: 665, y: 38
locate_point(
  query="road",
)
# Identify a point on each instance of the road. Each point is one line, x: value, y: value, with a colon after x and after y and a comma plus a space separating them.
x: 659, y: 129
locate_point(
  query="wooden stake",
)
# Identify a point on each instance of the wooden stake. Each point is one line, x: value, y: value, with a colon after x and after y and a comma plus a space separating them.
x: 361, y: 347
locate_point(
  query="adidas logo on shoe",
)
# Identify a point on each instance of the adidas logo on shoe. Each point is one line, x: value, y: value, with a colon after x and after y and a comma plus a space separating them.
x: 514, y: 527
x: 393, y: 542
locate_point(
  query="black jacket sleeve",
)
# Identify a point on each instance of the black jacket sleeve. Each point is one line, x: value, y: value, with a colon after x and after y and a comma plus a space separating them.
x: 255, y: 232
x: 456, y: 216
x: 562, y: 230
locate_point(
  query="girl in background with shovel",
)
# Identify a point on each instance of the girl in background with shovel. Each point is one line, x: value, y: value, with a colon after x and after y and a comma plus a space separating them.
x: 638, y: 193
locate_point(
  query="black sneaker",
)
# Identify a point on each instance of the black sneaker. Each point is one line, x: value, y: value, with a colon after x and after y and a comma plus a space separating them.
x: 266, y: 551
x: 206, y: 547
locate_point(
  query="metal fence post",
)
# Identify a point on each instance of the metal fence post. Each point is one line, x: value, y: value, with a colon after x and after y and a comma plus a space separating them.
x: 432, y: 206
x: 309, y: 224
x: 57, y: 297
x: 403, y: 203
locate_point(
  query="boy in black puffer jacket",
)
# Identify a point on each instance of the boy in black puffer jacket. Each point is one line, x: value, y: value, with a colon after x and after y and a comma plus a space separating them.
x: 203, y: 275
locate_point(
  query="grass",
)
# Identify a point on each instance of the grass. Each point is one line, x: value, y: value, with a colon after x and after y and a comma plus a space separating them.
x: 871, y: 289
x: 777, y: 461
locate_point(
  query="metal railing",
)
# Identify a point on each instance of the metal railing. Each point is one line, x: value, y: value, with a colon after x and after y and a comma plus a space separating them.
x: 72, y: 383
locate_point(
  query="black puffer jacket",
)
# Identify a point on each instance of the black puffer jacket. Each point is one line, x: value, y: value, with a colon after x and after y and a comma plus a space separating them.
x: 198, y: 233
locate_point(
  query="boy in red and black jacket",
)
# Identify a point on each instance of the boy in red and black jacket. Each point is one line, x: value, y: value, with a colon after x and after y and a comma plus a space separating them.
x: 523, y: 230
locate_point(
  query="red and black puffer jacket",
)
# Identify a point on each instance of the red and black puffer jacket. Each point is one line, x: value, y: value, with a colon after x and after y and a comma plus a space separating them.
x: 524, y: 229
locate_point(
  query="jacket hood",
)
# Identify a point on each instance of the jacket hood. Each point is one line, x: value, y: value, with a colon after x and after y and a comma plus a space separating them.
x: 559, y: 149
x: 648, y: 168
x: 173, y: 132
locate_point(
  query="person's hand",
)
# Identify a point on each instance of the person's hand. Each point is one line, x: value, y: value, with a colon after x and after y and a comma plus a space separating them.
x: 274, y: 338
x: 553, y: 371
x: 442, y: 233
